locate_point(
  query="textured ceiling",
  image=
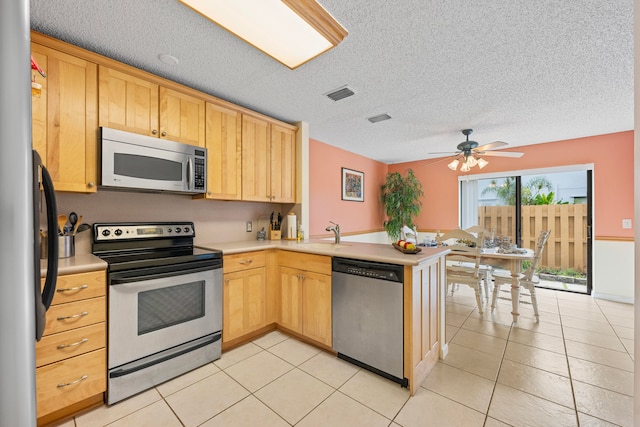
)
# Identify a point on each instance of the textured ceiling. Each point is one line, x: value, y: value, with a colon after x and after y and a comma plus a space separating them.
x: 523, y: 72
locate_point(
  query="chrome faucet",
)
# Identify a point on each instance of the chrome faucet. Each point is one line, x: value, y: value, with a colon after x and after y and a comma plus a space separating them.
x: 336, y: 230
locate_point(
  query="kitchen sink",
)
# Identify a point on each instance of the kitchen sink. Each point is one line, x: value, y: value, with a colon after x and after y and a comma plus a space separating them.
x: 323, y: 245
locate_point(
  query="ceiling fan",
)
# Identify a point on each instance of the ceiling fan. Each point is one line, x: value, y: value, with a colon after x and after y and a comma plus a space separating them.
x: 470, y: 152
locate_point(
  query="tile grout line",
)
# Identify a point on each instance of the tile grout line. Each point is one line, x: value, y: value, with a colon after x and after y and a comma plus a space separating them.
x: 495, y: 383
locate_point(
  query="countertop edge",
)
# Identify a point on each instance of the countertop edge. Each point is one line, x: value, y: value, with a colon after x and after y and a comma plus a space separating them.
x: 81, y: 263
x: 355, y: 250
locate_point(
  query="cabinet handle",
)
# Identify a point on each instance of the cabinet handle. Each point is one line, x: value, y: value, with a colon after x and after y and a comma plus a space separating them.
x: 164, y: 133
x: 79, y: 380
x: 73, y: 316
x: 82, y: 341
x: 154, y: 132
x: 77, y: 288
x: 226, y: 280
x: 246, y: 261
x: 92, y: 184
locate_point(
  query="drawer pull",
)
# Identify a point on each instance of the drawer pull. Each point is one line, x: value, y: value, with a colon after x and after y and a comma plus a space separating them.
x: 77, y: 288
x: 79, y: 380
x: 73, y: 316
x: 82, y: 341
x: 246, y: 261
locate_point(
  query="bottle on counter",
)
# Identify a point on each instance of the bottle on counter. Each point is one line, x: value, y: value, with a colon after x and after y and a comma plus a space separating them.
x: 300, y: 232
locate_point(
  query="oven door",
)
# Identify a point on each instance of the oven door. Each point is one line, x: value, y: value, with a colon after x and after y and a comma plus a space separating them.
x: 157, y: 313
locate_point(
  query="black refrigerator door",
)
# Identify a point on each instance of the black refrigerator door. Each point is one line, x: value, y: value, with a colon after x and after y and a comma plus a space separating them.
x: 43, y: 299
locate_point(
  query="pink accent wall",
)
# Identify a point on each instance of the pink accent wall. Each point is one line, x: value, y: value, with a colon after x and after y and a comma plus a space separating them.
x: 611, y: 155
x: 325, y: 189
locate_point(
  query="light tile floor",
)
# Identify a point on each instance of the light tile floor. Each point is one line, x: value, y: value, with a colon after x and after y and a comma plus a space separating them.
x: 574, y: 367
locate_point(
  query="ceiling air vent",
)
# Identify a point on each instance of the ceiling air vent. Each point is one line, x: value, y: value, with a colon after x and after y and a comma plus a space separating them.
x: 339, y: 94
x: 379, y: 118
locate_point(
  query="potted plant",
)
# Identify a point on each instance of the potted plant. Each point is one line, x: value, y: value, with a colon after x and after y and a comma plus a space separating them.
x: 401, y: 199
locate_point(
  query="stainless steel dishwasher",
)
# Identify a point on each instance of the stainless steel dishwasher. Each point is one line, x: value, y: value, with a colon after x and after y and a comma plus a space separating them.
x: 368, y: 316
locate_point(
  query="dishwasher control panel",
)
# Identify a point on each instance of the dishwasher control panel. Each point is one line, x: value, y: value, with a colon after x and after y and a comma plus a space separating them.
x: 373, y: 270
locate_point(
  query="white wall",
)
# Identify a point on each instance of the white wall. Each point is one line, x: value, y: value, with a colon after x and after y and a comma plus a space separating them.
x: 613, y: 270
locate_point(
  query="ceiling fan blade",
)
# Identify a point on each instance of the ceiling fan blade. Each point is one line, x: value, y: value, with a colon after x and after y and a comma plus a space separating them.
x: 448, y: 153
x: 490, y: 146
x: 513, y: 154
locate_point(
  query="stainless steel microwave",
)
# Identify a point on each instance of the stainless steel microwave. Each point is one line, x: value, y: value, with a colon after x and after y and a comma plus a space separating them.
x: 138, y: 162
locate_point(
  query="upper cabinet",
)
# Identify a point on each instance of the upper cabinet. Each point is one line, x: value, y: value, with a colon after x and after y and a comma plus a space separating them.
x: 64, y: 119
x: 249, y: 156
x: 133, y: 104
x: 224, y: 152
x: 268, y: 161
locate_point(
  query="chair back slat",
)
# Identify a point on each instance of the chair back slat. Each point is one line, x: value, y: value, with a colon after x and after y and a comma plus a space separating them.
x: 542, y: 241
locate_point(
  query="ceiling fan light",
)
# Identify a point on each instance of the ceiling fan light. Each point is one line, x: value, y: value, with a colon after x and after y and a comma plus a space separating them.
x: 454, y: 164
x: 482, y: 163
x: 465, y: 168
x: 472, y: 161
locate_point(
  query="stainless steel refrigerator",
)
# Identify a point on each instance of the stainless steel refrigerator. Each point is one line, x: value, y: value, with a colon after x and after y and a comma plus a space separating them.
x: 22, y: 306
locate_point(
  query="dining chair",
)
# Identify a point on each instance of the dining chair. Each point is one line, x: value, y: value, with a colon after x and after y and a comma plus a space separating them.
x: 528, y: 279
x: 485, y: 270
x: 463, y: 262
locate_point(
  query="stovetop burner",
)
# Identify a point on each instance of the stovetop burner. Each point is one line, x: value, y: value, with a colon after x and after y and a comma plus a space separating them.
x: 128, y: 246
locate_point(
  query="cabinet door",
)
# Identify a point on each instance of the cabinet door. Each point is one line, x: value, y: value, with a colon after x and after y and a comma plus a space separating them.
x: 65, y: 119
x: 256, y: 184
x: 316, y: 307
x: 224, y: 153
x: 181, y: 117
x: 244, y: 302
x: 283, y: 164
x: 291, y: 299
x: 127, y: 103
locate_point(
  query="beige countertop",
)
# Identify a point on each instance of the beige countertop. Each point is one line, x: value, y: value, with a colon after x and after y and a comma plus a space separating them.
x: 81, y: 263
x: 355, y: 250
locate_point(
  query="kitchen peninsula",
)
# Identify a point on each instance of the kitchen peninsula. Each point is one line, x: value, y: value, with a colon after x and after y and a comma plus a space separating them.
x: 287, y: 285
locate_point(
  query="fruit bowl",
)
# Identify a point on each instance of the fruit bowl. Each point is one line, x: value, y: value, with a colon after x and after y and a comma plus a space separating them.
x: 407, y: 251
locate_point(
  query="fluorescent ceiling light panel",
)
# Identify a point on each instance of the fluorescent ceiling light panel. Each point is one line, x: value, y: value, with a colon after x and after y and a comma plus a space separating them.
x: 290, y: 31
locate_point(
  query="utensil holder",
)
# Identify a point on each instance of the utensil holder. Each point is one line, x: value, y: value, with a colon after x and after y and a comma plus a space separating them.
x: 66, y: 246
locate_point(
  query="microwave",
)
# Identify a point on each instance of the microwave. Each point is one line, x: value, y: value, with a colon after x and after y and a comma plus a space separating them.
x: 131, y: 161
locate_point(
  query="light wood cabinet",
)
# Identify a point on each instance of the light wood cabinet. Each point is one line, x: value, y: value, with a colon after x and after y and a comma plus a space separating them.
x: 244, y: 295
x: 133, y: 104
x: 64, y: 119
x: 305, y: 281
x: 268, y: 161
x: 71, y: 356
x: 223, y: 138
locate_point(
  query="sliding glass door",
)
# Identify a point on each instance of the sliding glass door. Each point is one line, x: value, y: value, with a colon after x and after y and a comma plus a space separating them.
x: 520, y: 206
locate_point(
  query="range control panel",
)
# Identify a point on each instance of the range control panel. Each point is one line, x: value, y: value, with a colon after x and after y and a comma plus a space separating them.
x: 128, y: 231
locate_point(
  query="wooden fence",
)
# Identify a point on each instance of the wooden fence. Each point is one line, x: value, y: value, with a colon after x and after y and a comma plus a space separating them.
x: 567, y: 244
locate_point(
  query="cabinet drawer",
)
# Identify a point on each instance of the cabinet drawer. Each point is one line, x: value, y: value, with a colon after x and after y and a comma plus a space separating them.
x: 64, y: 317
x: 308, y: 262
x: 244, y: 261
x: 74, y: 287
x: 57, y: 347
x: 64, y: 383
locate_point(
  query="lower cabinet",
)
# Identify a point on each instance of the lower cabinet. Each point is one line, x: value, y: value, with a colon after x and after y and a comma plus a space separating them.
x: 71, y: 361
x: 305, y: 292
x: 244, y: 294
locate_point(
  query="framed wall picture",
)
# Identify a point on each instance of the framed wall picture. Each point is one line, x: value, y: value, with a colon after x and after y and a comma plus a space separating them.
x: 352, y: 185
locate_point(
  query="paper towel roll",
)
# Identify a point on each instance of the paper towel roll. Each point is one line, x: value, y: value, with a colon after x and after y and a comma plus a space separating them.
x: 292, y: 226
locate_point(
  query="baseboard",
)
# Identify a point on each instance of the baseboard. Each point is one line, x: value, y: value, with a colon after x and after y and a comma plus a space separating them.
x: 614, y: 298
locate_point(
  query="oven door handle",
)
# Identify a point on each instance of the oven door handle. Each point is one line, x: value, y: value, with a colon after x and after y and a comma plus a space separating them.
x: 121, y: 278
x: 134, y: 367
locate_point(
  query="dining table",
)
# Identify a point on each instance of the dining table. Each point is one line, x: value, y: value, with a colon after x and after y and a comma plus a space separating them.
x: 509, y: 259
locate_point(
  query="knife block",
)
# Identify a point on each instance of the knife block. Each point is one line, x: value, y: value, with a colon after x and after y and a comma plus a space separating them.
x: 275, y: 234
